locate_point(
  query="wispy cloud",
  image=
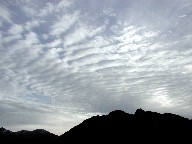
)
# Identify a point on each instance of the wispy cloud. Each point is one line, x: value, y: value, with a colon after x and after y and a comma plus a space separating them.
x: 33, y: 24
x: 81, y: 33
x: 63, y: 24
x: 5, y: 14
x: 15, y: 29
x: 182, y: 16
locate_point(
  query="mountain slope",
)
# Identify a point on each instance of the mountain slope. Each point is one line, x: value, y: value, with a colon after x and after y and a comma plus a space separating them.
x: 38, y: 136
x: 117, y: 126
x: 139, y: 127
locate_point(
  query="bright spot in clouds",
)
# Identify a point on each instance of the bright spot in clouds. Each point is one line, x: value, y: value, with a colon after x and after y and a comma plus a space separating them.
x: 64, y: 61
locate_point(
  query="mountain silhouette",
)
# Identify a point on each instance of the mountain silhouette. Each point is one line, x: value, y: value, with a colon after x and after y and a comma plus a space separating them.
x: 38, y: 136
x: 118, y: 126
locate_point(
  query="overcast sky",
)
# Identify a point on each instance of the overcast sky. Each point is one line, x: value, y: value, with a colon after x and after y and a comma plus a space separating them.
x: 64, y: 61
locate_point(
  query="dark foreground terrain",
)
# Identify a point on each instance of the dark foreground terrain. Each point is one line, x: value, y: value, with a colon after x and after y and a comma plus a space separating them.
x: 116, y: 127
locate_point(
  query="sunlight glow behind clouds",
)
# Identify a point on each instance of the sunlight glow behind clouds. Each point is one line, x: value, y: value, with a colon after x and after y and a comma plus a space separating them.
x: 67, y: 61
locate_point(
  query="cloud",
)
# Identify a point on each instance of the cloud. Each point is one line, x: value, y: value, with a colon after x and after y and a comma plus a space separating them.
x: 55, y: 43
x: 11, y: 109
x: 31, y: 38
x: 5, y: 14
x: 64, y: 23
x: 29, y: 10
x: 182, y: 16
x: 81, y: 33
x: 8, y: 39
x: 47, y: 10
x: 15, y: 29
x: 33, y: 23
x: 43, y: 8
x: 64, y: 4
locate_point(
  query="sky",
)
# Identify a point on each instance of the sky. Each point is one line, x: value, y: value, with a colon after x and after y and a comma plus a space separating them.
x: 62, y: 62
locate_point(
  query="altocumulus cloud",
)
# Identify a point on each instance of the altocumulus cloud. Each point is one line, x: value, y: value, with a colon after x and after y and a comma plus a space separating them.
x: 64, y: 61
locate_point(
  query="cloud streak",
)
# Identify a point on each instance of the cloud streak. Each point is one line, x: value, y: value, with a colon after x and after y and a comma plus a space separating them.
x: 5, y: 14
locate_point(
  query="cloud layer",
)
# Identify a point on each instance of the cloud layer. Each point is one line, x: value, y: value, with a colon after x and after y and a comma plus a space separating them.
x: 64, y: 61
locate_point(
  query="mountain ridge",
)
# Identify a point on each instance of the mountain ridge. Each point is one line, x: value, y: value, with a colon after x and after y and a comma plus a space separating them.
x: 116, y: 126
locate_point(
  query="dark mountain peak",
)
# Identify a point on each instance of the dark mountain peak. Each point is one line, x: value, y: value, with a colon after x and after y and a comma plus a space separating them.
x: 40, y: 131
x: 37, y: 133
x: 43, y: 132
x: 2, y: 129
x: 117, y: 114
x: 139, y: 112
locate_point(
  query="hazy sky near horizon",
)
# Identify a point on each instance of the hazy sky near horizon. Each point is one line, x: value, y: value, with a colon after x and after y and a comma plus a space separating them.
x: 64, y: 61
